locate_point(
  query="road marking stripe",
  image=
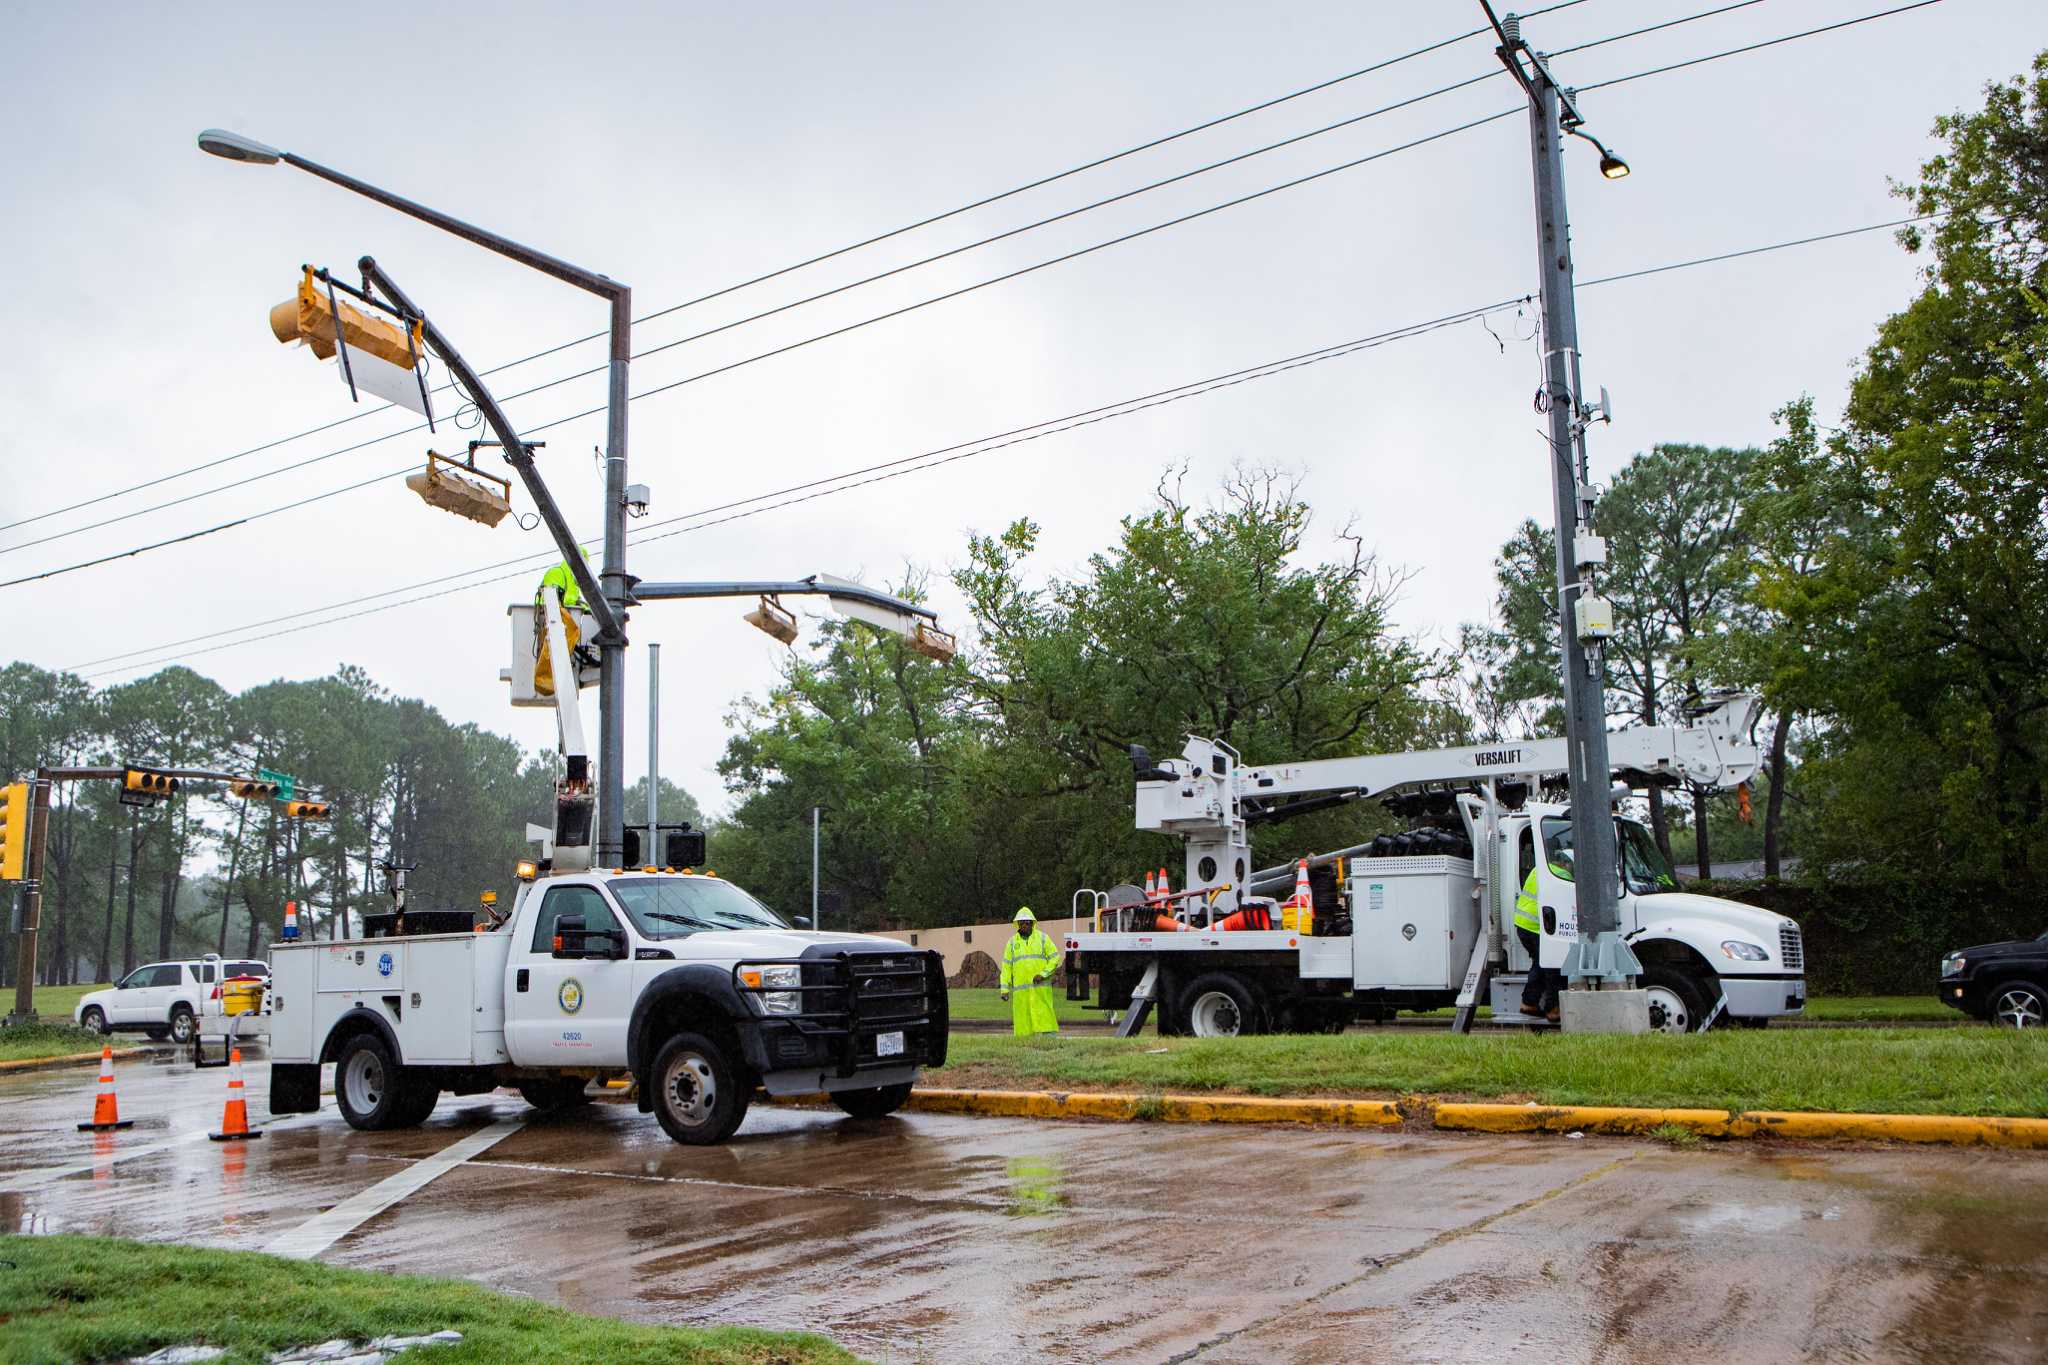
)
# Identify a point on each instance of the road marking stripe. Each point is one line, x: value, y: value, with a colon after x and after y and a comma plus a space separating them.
x: 322, y: 1231
x: 48, y: 1175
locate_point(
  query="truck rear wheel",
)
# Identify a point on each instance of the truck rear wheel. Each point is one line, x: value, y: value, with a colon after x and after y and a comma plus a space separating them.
x: 372, y: 1088
x: 879, y: 1102
x: 696, y: 1095
x: 1220, y: 1005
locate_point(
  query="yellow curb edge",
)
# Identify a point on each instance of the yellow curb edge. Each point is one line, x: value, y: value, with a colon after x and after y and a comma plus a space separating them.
x: 1058, y: 1104
x: 1955, y: 1129
x: 69, y: 1059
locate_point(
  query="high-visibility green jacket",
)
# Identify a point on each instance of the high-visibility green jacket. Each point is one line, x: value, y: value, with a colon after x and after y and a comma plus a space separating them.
x: 1028, y: 961
x: 563, y: 581
x: 1526, y: 914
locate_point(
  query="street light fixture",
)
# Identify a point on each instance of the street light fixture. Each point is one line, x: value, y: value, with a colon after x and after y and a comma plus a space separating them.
x: 234, y: 147
x: 1611, y: 166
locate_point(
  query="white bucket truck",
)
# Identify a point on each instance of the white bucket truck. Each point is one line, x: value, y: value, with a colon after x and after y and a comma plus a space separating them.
x: 1423, y: 920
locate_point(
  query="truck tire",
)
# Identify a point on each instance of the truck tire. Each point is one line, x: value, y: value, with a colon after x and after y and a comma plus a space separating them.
x: 877, y: 1103
x: 372, y: 1089
x: 2017, y: 1004
x: 183, y: 1025
x: 1677, y: 1002
x: 554, y: 1092
x: 95, y: 1019
x: 1220, y: 1005
x: 697, y: 1096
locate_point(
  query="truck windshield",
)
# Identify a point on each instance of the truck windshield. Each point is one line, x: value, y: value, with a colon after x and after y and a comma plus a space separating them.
x: 1643, y: 865
x: 676, y: 907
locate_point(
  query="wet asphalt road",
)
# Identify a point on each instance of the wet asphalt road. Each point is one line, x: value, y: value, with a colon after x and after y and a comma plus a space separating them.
x: 955, y: 1239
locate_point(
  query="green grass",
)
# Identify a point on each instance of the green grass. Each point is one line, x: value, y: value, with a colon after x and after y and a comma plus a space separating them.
x: 46, y: 1038
x: 99, y: 1298
x: 1885, y: 1008
x: 57, y: 1002
x: 1879, y: 1070
x: 969, y: 1002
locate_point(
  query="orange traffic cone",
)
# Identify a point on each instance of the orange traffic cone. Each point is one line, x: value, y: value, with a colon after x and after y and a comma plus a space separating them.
x: 234, y: 1120
x: 1151, y: 888
x: 291, y: 919
x: 106, y: 1114
x: 1303, y: 897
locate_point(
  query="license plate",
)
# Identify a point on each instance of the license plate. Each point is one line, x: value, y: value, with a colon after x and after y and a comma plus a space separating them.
x: 889, y: 1044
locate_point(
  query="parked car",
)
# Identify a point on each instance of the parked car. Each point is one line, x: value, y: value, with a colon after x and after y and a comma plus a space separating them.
x: 165, y: 999
x: 2004, y: 983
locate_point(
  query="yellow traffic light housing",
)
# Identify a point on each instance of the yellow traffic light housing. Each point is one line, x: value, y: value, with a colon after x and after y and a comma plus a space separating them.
x: 14, y: 804
x: 309, y: 315
x: 458, y: 486
x: 149, y: 783
x: 251, y: 790
x: 773, y: 619
x: 307, y: 810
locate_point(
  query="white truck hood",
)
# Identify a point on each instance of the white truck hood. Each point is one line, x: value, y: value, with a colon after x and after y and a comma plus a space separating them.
x: 1671, y: 913
x: 734, y: 944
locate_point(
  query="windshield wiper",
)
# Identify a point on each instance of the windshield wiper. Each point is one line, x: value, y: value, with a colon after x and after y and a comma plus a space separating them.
x: 678, y: 919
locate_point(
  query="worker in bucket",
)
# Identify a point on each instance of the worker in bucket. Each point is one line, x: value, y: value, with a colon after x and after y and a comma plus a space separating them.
x: 557, y: 592
x: 1028, y: 962
x: 1539, y: 991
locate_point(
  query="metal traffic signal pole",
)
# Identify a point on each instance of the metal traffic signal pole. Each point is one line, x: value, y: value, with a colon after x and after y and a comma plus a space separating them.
x: 1598, y: 958
x: 617, y: 585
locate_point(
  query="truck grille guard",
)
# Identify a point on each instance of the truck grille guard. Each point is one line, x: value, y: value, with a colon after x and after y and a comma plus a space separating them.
x: 848, y: 999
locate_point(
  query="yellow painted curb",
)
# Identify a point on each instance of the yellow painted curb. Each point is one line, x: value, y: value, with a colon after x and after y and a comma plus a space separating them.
x: 1051, y: 1104
x: 72, y: 1059
x: 1954, y: 1129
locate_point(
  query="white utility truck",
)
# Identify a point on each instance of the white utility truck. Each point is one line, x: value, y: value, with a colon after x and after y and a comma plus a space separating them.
x: 679, y: 980
x: 1421, y: 920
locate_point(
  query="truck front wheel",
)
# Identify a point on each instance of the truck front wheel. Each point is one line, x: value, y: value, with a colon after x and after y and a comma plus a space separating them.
x: 879, y: 1102
x: 696, y: 1095
x: 372, y: 1088
x: 1677, y: 1001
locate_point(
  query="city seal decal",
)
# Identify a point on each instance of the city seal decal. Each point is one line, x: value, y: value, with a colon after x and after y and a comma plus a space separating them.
x: 570, y: 996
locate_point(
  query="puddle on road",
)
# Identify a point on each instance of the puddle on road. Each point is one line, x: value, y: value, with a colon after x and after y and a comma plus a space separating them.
x: 1718, y: 1220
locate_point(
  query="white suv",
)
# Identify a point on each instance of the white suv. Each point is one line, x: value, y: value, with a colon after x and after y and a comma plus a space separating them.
x: 165, y: 999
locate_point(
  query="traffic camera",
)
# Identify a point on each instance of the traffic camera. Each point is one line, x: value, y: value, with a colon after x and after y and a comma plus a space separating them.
x: 14, y: 803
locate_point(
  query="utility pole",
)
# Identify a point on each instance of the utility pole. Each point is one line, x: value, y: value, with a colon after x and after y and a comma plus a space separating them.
x: 1599, y: 968
x: 653, y: 747
x: 814, y: 868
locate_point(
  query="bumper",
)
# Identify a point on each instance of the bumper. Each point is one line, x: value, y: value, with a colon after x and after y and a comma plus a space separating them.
x: 1752, y: 997
x: 1958, y: 994
x: 861, y: 1016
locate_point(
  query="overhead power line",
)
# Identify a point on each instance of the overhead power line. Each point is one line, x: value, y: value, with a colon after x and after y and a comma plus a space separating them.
x: 807, y: 341
x: 1755, y: 47
x: 819, y: 259
x: 786, y: 348
x: 915, y: 463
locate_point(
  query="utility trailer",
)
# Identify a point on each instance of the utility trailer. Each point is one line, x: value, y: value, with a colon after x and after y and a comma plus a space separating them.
x: 1422, y: 921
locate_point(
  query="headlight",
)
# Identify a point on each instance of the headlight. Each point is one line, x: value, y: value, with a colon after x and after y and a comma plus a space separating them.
x: 774, y: 1001
x: 1744, y: 952
x: 1953, y: 965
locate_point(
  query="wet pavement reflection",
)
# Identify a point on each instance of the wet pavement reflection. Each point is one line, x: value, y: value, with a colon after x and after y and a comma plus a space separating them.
x: 952, y: 1239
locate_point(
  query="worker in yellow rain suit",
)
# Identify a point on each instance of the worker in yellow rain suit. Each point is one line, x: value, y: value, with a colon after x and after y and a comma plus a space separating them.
x: 1028, y: 962
x: 556, y: 585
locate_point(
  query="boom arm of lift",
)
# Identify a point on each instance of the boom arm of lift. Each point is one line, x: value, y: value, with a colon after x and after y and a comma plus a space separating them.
x: 1203, y: 795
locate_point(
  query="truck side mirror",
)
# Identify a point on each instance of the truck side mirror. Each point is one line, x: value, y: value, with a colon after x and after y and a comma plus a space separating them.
x: 569, y: 936
x: 803, y: 921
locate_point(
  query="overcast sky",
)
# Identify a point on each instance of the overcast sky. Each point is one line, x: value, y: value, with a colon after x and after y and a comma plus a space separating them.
x: 682, y: 148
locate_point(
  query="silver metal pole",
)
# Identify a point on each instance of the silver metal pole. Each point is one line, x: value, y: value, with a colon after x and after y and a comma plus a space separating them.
x: 611, y: 653
x: 653, y: 746
x: 814, y: 869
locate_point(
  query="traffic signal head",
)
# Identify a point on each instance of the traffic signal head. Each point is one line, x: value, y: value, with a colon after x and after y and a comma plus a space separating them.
x: 306, y: 810
x: 250, y: 790
x: 14, y: 799
x: 309, y: 316
x: 153, y: 784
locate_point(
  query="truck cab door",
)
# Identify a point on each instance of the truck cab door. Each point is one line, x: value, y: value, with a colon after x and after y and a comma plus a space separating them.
x: 1557, y: 899
x: 568, y: 1011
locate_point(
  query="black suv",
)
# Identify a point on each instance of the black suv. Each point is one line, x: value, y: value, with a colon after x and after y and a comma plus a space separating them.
x: 2004, y: 983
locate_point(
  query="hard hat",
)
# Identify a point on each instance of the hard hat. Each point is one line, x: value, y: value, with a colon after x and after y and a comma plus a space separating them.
x: 1024, y: 913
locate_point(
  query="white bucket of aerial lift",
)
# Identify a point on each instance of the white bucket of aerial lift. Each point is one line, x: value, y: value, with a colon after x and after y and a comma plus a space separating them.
x: 525, y: 656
